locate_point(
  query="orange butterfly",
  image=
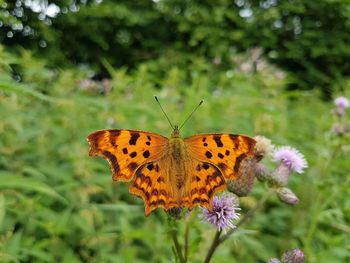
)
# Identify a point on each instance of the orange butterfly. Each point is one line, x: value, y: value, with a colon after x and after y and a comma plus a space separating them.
x: 173, y: 172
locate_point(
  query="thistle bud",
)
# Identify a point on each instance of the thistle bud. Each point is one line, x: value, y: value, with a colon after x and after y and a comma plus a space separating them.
x: 263, y: 147
x: 339, y: 112
x: 280, y: 176
x: 261, y: 172
x: 287, y: 196
x: 293, y: 256
x: 338, y: 129
x: 245, y: 182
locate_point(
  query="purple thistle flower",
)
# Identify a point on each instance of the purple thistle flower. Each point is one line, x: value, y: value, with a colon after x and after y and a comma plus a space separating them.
x: 342, y: 102
x: 291, y: 158
x: 224, y: 211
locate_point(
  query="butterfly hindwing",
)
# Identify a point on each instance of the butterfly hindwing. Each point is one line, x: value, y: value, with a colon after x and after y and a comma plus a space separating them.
x: 205, y: 181
x: 126, y: 150
x: 152, y: 184
x: 225, y: 151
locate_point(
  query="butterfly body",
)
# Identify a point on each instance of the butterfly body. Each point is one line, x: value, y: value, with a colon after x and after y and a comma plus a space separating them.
x: 172, y: 172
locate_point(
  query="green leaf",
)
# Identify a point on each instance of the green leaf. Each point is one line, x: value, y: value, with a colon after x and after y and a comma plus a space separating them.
x: 13, y: 181
x: 2, y: 209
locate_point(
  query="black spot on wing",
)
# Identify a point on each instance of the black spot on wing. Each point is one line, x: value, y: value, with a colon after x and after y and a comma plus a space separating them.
x: 222, y: 166
x: 133, y: 138
x: 133, y: 154
x: 206, y: 166
x: 125, y: 150
x: 250, y: 142
x: 235, y: 140
x: 220, y: 155
x: 113, y: 161
x: 157, y: 168
x: 227, y: 152
x: 239, y: 159
x: 148, y: 143
x: 132, y: 166
x: 149, y: 138
x: 208, y: 154
x: 217, y: 139
x: 146, y: 154
x: 150, y: 166
x: 233, y: 137
x: 113, y: 134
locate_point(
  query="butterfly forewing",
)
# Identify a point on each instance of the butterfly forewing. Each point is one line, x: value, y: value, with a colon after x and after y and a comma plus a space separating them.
x: 225, y: 151
x: 127, y: 150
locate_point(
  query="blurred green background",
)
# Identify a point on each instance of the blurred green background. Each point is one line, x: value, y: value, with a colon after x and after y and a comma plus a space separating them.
x: 70, y: 67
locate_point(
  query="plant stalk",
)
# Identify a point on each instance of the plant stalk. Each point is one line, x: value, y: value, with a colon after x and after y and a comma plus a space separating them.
x: 214, y: 245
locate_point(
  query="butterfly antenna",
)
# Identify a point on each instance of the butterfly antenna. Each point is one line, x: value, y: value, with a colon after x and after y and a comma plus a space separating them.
x: 163, y: 111
x: 189, y: 116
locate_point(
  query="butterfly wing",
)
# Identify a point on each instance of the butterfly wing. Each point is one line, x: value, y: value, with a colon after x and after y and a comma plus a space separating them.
x: 225, y: 151
x: 205, y: 181
x: 152, y: 184
x: 127, y: 150
x: 155, y: 183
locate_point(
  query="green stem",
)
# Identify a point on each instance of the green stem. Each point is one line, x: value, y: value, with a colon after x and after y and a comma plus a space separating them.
x: 248, y: 215
x: 187, y: 233
x: 214, y: 245
x: 177, y: 245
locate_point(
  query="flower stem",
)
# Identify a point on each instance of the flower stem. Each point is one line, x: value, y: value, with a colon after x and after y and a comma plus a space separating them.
x: 187, y: 233
x: 214, y: 245
x: 177, y: 245
x: 248, y: 215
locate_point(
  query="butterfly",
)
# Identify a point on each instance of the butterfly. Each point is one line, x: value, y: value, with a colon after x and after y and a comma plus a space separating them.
x: 172, y: 172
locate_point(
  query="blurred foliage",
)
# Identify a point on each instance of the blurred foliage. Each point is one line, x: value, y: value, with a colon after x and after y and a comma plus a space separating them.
x: 309, y: 40
x: 59, y: 205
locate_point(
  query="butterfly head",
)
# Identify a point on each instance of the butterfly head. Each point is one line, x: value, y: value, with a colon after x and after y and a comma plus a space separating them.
x: 176, y: 132
x: 176, y: 128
